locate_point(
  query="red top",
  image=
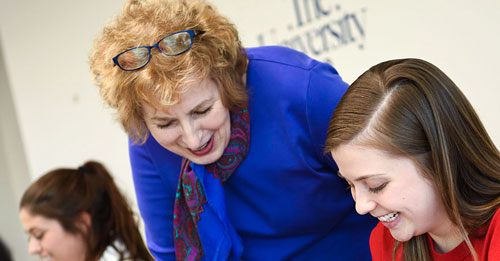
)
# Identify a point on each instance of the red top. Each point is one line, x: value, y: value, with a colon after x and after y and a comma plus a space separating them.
x: 487, y: 248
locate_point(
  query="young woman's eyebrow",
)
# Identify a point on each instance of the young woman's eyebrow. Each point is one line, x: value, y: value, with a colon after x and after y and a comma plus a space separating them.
x: 360, y: 178
x: 367, y: 177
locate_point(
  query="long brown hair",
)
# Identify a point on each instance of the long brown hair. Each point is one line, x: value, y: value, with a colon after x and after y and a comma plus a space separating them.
x: 64, y: 194
x: 410, y: 108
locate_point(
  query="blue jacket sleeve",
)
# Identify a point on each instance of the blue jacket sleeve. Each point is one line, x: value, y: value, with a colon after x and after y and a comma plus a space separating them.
x: 325, y: 90
x: 155, y: 184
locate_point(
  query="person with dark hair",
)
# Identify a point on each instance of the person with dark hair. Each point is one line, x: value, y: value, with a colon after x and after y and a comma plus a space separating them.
x: 225, y: 141
x: 80, y: 214
x: 417, y: 157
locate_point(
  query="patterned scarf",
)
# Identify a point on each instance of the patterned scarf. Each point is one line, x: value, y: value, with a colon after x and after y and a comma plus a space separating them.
x: 191, y: 197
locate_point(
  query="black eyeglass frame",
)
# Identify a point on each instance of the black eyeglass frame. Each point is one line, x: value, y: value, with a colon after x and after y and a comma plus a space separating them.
x: 191, y: 33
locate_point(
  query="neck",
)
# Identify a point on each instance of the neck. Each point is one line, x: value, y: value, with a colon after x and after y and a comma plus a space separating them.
x: 447, y: 239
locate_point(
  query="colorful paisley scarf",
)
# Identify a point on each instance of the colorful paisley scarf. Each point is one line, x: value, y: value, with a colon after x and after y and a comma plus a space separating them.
x: 201, y: 227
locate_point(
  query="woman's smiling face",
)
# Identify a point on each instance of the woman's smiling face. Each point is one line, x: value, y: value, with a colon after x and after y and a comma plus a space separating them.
x: 49, y: 240
x: 393, y: 190
x: 197, y: 128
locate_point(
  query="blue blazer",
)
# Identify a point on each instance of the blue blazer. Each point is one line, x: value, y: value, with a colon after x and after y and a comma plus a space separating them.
x: 285, y: 200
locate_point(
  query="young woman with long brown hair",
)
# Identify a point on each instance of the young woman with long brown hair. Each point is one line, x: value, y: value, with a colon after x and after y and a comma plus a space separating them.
x: 80, y: 214
x: 417, y: 157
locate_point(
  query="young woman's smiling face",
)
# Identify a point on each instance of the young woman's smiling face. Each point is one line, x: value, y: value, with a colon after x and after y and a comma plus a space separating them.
x: 393, y: 190
x: 49, y: 240
x: 198, y: 128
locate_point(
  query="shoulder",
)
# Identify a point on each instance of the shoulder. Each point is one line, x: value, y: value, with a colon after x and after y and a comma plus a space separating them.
x: 153, y: 165
x: 151, y: 152
x: 283, y: 56
x: 494, y: 226
x: 284, y: 68
x: 493, y: 229
x: 496, y: 217
x: 489, y: 247
x: 294, y: 84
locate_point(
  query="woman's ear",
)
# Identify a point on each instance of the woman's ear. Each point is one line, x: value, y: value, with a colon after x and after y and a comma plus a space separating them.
x: 84, y: 221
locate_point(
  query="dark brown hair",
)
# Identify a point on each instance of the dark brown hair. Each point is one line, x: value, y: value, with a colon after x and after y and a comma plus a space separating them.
x: 64, y: 194
x: 410, y: 108
x: 217, y: 53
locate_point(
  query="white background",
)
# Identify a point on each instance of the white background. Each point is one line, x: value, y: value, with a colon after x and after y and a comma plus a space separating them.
x: 52, y: 115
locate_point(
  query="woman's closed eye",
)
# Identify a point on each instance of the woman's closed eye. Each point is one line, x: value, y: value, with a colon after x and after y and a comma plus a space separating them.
x: 165, y: 125
x: 377, y: 188
x: 204, y: 111
x: 37, y: 235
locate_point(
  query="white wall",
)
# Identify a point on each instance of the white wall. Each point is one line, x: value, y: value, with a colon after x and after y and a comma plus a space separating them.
x: 460, y: 37
x: 62, y: 120
x: 14, y: 174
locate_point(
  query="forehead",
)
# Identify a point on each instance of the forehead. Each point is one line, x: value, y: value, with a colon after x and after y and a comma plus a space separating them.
x: 362, y: 162
x: 30, y: 221
x: 355, y: 161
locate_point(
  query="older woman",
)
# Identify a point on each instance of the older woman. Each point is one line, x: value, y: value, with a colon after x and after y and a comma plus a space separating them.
x: 234, y: 167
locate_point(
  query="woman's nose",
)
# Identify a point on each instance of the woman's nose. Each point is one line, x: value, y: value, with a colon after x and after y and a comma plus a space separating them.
x: 34, y: 247
x: 364, y: 203
x: 191, y: 137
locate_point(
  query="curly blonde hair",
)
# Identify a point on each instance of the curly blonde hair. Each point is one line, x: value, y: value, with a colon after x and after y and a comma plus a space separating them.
x: 217, y: 53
